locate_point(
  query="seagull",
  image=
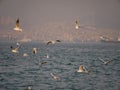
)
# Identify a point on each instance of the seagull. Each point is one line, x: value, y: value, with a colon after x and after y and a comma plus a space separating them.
x: 53, y: 42
x: 50, y: 42
x: 15, y: 50
x: 76, y: 25
x: 54, y: 76
x: 34, y: 50
x: 105, y: 62
x: 17, y: 27
x: 82, y: 69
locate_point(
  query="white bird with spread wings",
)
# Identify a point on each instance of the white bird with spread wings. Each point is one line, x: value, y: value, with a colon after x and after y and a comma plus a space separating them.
x: 105, y: 62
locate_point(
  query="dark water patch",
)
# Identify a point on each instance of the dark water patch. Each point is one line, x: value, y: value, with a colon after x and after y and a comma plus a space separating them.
x: 18, y: 72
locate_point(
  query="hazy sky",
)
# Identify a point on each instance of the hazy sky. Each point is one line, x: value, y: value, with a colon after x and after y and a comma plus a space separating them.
x: 101, y: 14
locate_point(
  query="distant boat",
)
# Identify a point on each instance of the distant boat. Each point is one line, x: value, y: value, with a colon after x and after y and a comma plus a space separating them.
x: 107, y: 40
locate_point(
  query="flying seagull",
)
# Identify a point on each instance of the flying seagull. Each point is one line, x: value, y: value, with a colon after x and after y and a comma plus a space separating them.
x: 17, y: 27
x: 83, y: 69
x: 15, y: 50
x: 105, y: 62
x: 53, y: 42
x: 76, y: 25
x: 34, y: 50
x: 55, y: 76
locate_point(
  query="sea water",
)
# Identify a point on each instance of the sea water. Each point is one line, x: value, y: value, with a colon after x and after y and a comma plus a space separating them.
x: 18, y: 72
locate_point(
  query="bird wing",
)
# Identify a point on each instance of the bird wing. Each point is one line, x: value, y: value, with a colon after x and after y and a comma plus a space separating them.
x: 109, y: 61
x: 58, y: 41
x: 49, y: 42
x: 17, y: 23
x: 101, y: 60
x: 76, y: 22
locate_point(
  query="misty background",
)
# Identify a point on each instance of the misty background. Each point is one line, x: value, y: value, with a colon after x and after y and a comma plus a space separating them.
x: 43, y: 20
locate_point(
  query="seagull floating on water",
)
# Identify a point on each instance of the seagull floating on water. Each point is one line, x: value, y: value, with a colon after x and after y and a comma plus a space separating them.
x: 105, y: 62
x: 53, y: 42
x: 17, y: 27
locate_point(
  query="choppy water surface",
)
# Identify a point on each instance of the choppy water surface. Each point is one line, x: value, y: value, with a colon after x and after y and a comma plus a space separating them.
x: 19, y: 73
